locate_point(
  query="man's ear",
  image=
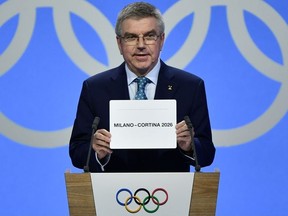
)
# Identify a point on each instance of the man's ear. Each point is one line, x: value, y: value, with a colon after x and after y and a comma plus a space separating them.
x: 119, y: 43
x: 162, y: 38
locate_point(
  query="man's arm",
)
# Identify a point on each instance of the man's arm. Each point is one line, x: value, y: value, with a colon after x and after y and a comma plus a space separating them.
x: 81, y: 133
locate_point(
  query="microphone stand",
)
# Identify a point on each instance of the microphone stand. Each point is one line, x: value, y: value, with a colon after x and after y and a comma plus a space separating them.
x: 94, y: 128
x: 190, y: 127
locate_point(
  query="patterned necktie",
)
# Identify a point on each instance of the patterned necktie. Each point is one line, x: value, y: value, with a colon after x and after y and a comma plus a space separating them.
x: 141, y: 82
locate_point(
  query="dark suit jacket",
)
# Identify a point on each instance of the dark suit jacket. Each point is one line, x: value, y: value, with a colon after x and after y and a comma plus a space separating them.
x: 98, y: 90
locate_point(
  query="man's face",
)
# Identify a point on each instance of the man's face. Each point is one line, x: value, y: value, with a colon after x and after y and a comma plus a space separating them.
x: 142, y: 54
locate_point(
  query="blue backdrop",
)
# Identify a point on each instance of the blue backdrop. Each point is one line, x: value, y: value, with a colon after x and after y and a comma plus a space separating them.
x: 239, y: 48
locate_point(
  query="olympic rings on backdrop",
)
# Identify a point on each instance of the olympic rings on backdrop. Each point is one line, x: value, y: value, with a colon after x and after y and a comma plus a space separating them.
x: 138, y: 200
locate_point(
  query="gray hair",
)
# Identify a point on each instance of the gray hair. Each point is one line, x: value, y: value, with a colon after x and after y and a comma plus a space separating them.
x: 139, y: 10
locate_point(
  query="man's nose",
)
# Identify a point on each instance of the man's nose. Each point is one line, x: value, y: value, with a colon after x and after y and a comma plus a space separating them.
x: 141, y: 41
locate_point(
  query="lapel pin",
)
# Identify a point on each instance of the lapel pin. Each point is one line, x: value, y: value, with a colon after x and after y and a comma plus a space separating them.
x: 170, y: 87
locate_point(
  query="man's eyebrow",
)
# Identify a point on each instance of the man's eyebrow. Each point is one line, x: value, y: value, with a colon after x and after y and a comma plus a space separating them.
x: 134, y: 34
x: 130, y: 34
x: 150, y: 32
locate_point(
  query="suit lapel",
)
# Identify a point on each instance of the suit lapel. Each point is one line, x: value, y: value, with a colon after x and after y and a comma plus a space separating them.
x: 166, y: 85
x: 118, y: 85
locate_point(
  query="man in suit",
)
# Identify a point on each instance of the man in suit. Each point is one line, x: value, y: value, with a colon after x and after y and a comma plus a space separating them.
x: 140, y: 38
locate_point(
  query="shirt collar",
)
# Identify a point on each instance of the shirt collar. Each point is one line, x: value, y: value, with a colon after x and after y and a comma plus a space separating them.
x: 152, y: 75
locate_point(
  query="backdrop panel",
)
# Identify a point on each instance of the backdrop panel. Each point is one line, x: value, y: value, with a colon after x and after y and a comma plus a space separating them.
x: 240, y: 49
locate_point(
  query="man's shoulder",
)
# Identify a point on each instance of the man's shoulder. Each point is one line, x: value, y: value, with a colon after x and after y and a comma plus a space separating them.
x: 181, y: 74
x: 106, y: 75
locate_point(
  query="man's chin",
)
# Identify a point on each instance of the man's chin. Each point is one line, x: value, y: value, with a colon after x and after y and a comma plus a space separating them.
x: 142, y: 68
x: 143, y: 71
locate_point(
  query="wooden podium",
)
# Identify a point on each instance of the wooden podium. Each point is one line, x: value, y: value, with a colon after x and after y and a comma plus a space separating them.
x: 203, y: 197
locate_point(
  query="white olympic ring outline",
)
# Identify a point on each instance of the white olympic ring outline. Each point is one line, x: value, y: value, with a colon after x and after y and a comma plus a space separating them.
x: 189, y: 49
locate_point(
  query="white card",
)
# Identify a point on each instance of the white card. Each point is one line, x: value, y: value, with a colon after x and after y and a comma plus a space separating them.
x: 143, y: 124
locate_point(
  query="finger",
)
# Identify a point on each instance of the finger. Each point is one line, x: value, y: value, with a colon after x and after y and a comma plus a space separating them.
x: 101, y: 153
x: 180, y: 124
x: 101, y: 143
x: 184, y: 143
x: 183, y: 131
x: 101, y: 146
x: 104, y: 132
x: 102, y: 135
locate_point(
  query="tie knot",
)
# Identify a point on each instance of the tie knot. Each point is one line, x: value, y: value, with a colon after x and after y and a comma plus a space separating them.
x: 141, y: 82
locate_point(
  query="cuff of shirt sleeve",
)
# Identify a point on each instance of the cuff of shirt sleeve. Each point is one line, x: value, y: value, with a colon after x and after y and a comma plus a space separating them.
x: 189, y: 156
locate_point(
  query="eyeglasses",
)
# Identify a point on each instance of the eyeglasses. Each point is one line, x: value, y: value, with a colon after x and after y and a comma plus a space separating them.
x: 133, y: 40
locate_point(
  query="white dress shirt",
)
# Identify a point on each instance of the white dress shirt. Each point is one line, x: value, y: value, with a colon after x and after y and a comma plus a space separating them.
x: 150, y: 87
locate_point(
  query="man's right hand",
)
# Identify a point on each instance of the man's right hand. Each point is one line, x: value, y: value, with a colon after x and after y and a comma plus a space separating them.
x: 101, y: 143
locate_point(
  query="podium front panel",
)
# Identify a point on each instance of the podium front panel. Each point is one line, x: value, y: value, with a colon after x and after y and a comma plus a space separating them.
x: 142, y: 194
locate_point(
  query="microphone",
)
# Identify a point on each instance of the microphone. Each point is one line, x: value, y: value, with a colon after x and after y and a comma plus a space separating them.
x: 190, y: 126
x: 94, y: 128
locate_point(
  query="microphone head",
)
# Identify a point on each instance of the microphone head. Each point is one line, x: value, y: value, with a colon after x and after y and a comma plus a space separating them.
x: 188, y: 122
x: 95, y: 122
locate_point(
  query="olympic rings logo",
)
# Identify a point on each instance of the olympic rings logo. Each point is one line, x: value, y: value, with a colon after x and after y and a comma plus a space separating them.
x: 127, y: 201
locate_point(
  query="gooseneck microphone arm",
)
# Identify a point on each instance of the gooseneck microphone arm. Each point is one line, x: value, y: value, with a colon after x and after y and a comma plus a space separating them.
x: 190, y: 127
x: 94, y: 128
